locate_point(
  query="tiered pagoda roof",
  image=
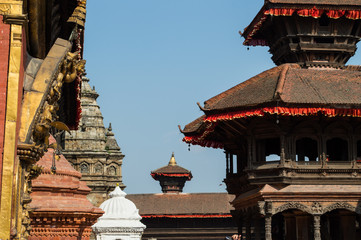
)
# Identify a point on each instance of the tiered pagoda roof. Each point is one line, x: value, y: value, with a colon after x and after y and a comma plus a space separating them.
x: 172, y: 177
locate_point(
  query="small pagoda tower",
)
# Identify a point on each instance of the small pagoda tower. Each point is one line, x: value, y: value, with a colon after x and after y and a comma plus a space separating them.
x: 292, y: 134
x: 93, y: 149
x: 172, y: 177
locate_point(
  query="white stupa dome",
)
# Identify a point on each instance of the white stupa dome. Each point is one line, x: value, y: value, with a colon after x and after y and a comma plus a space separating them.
x: 118, y: 207
x: 119, y: 213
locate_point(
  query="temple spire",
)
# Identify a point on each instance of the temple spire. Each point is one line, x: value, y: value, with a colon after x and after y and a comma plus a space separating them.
x: 172, y: 161
x: 172, y: 177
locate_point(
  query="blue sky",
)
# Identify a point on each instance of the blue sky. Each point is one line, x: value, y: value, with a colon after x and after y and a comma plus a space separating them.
x: 151, y: 61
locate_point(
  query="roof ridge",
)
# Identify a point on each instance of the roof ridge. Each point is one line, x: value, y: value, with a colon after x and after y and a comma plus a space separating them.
x: 281, y: 81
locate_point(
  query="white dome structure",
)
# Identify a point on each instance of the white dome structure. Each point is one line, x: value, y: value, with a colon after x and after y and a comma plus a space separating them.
x: 121, y: 219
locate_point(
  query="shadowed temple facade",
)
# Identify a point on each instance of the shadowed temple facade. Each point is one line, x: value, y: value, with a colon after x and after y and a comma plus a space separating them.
x: 41, y: 68
x: 292, y: 134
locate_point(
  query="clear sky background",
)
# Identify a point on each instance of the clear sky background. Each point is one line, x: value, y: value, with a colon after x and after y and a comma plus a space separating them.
x: 151, y: 61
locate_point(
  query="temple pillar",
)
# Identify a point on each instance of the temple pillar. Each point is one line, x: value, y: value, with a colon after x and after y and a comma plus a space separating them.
x: 268, y: 227
x: 316, y: 227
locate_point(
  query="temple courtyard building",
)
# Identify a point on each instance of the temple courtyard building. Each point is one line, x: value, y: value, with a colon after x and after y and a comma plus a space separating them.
x: 292, y: 134
x: 40, y: 75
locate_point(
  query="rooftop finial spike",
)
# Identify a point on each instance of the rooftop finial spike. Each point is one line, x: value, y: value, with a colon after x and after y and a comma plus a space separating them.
x: 172, y: 161
x: 110, y: 127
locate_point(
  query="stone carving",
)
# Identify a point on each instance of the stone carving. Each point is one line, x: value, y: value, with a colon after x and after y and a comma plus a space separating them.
x: 293, y: 205
x: 316, y: 208
x: 118, y: 229
x: 268, y: 227
x: 98, y: 169
x: 339, y: 205
x: 261, y: 207
x: 112, y: 171
x: 84, y: 168
x: 317, y: 227
x: 95, y: 145
x: 269, y: 208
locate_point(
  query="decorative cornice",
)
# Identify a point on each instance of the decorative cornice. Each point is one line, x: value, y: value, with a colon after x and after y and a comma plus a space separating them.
x: 18, y: 19
x: 118, y: 230
x: 29, y: 153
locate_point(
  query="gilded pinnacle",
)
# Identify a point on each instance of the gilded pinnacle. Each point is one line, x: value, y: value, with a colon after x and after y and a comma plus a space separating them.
x: 172, y: 161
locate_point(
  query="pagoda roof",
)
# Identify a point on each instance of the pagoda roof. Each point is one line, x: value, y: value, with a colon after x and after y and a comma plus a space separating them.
x: 172, y: 170
x: 287, y: 90
x: 335, y: 9
x: 291, y: 84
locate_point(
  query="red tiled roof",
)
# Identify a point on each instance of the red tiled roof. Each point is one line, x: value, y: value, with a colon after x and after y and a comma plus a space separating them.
x: 286, y: 90
x: 171, y: 169
x: 183, y: 204
x: 294, y: 86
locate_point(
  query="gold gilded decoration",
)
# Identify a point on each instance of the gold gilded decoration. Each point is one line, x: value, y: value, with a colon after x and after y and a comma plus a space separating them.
x: 28, y: 155
x: 11, y: 7
x: 78, y: 15
x: 5, y: 8
x: 10, y: 138
x: 71, y: 67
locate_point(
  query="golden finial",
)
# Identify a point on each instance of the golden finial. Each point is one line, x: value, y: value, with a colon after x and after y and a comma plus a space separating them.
x: 117, y: 184
x: 172, y: 161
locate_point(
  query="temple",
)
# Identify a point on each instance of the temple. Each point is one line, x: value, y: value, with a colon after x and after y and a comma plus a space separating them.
x: 93, y: 149
x: 41, y: 67
x: 172, y: 177
x: 292, y: 134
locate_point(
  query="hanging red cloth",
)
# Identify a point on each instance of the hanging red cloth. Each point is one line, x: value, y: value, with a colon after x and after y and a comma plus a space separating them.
x: 314, y: 12
x: 335, y: 14
x: 280, y: 12
x: 354, y: 14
